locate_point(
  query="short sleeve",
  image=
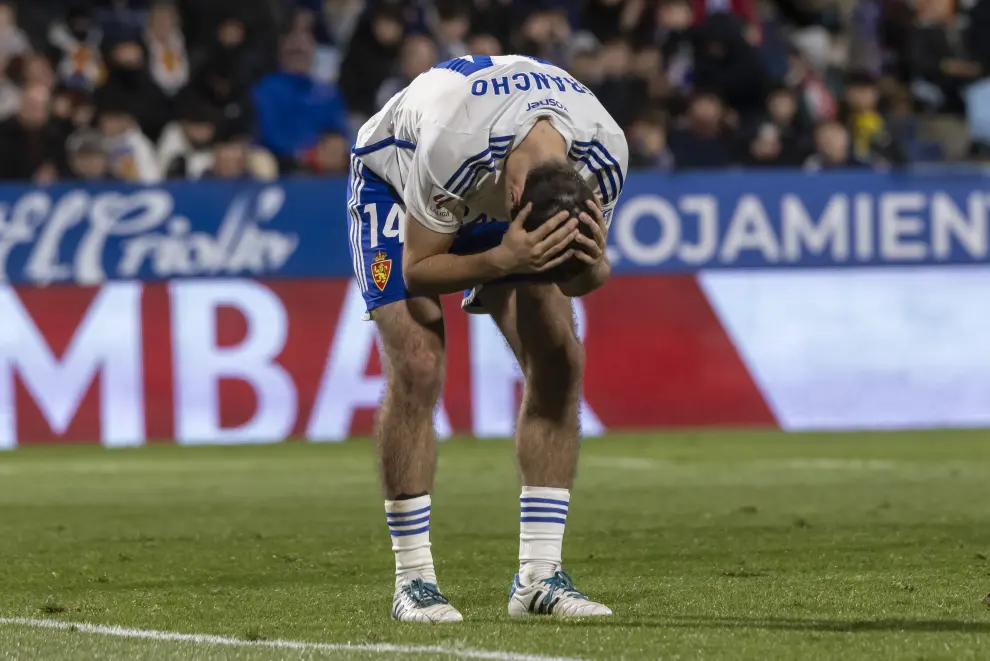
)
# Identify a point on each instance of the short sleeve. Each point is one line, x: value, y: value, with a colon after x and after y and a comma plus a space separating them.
x: 607, y: 162
x: 439, y: 177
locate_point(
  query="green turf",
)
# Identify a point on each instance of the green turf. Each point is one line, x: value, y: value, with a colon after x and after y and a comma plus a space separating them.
x: 717, y: 546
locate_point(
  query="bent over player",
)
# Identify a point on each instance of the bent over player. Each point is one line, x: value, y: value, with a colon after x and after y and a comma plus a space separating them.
x: 458, y: 152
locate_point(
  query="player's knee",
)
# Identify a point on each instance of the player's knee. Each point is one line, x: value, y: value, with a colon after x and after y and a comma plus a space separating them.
x: 556, y: 372
x: 418, y: 375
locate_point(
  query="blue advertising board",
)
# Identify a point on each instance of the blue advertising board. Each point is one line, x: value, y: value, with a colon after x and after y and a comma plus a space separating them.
x: 663, y: 224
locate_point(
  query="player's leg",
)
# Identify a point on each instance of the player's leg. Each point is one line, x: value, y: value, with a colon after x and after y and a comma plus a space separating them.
x: 412, y: 335
x: 413, y: 342
x: 537, y: 322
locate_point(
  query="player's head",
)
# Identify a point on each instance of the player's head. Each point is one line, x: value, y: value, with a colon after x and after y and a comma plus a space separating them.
x: 552, y: 187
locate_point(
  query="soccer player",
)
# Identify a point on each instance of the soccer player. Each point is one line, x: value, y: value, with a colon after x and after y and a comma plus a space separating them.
x: 455, y: 153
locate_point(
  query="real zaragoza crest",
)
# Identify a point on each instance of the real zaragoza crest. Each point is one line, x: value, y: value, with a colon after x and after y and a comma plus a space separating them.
x: 381, y: 268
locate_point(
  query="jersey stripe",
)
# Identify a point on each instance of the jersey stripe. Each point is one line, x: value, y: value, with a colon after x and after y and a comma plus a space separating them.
x: 497, y: 154
x: 615, y: 164
x: 598, y: 166
x: 594, y: 155
x: 460, y: 181
x: 467, y: 65
x: 464, y: 166
x: 382, y: 144
x: 598, y: 175
x: 357, y: 183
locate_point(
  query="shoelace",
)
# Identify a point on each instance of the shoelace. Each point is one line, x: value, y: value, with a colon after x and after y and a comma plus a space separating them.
x: 560, y: 582
x: 423, y: 593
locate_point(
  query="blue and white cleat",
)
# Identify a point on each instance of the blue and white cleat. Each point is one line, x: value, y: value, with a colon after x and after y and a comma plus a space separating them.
x: 555, y: 595
x: 419, y: 601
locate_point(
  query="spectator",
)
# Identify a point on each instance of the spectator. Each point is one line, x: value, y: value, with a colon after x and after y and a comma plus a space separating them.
x: 648, y: 142
x: 620, y: 91
x: 131, y: 155
x: 742, y: 11
x: 121, y: 16
x: 128, y: 78
x: 87, y: 160
x: 865, y: 46
x: 729, y: 65
x: 782, y: 112
x: 74, y: 108
x: 941, y: 66
x: 812, y: 93
x: 75, y: 45
x: 543, y: 33
x: 648, y: 68
x: 166, y: 47
x: 585, y: 59
x: 613, y: 19
x: 673, y: 36
x: 494, y: 18
x: 418, y: 55
x: 484, y: 44
x: 832, y: 149
x: 703, y: 141
x: 230, y: 161
x: 314, y: 108
x: 343, y: 17
x: 369, y: 58
x: 230, y: 96
x: 451, y: 24
x: 227, y: 53
x: 866, y: 125
x: 31, y: 142
x: 189, y: 139
x: 765, y: 148
x: 331, y: 156
x: 309, y: 16
x: 233, y: 159
x: 36, y: 70
x: 13, y: 41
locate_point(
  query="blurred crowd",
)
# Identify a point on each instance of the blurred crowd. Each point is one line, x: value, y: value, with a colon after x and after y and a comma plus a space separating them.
x: 146, y: 90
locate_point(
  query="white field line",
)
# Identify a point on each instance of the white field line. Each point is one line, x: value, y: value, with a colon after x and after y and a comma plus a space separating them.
x: 207, y: 639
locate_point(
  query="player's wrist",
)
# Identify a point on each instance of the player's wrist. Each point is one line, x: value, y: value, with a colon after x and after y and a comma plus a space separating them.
x: 500, y: 261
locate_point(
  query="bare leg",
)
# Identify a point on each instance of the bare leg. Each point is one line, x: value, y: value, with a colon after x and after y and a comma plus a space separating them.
x: 538, y: 323
x: 413, y: 338
x: 412, y: 334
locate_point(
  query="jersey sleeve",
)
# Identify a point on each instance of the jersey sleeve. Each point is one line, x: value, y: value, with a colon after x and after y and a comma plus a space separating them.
x: 442, y: 172
x: 607, y: 161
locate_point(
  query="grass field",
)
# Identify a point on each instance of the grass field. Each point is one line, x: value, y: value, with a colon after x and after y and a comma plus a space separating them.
x: 715, y: 546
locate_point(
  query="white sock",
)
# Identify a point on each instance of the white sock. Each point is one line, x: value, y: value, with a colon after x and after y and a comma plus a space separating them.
x: 409, y: 525
x: 542, y: 516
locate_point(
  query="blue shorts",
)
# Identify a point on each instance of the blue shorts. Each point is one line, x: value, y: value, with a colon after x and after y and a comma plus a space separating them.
x: 376, y: 216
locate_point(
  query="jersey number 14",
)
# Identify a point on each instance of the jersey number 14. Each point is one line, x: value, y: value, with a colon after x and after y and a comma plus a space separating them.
x: 394, y: 225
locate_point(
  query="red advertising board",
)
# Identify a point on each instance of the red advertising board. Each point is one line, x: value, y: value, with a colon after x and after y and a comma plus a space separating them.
x: 240, y: 361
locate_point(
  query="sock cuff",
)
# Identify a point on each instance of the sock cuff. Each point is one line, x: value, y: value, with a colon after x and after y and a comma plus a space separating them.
x: 560, y: 497
x: 543, y: 505
x: 407, y: 518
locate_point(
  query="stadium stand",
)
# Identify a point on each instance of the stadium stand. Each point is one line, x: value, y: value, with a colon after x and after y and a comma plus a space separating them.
x: 163, y: 89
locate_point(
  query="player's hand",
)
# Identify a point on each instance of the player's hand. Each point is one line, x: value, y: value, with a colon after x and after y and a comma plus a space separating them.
x: 592, y: 249
x: 539, y: 250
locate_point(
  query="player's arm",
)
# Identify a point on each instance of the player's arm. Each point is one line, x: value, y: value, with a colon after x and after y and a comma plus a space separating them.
x: 430, y: 269
x: 593, y: 253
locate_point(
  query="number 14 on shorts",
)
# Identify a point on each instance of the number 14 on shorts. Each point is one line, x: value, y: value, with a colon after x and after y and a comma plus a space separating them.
x: 394, y: 223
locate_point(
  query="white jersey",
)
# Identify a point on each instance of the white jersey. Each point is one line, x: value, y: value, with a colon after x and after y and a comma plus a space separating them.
x: 442, y: 141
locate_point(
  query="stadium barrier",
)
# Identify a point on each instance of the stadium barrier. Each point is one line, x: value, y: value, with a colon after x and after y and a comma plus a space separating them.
x: 226, y: 312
